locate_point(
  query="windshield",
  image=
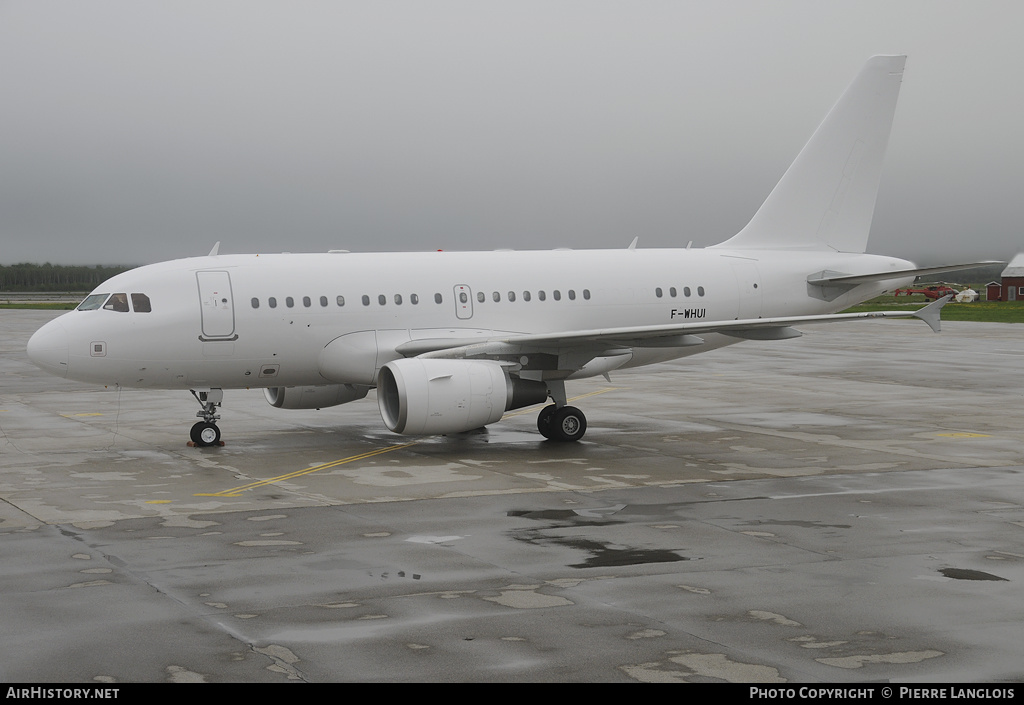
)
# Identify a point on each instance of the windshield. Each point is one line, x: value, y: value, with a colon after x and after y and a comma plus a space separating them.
x: 93, y: 302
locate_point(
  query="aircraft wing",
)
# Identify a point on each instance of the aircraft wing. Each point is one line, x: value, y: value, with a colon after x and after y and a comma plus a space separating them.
x: 604, y: 341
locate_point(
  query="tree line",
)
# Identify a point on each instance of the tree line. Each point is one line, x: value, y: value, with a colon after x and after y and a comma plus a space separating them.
x: 56, y: 277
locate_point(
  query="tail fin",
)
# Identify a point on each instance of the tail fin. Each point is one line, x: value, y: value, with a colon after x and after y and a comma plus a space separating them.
x: 826, y: 198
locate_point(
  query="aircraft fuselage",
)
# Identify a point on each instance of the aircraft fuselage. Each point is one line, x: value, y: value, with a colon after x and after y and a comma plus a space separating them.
x: 237, y: 321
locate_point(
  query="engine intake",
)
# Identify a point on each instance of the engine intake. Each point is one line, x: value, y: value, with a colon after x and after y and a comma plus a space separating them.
x: 428, y: 396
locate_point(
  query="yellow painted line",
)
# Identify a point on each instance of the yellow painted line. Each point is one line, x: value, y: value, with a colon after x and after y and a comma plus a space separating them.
x: 157, y: 501
x: 599, y: 391
x: 235, y: 491
x: 964, y: 435
x: 529, y: 409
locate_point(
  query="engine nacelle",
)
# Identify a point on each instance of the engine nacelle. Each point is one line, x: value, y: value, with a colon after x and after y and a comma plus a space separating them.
x: 316, y: 397
x: 427, y: 396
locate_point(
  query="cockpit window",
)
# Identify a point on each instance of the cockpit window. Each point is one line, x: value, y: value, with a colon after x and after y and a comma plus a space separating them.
x: 140, y: 303
x: 117, y: 302
x: 92, y: 302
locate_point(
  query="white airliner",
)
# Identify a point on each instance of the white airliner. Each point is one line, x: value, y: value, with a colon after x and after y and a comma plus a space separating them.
x: 452, y: 340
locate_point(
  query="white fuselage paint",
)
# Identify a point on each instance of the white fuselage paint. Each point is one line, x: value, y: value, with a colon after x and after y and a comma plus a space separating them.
x: 203, y: 330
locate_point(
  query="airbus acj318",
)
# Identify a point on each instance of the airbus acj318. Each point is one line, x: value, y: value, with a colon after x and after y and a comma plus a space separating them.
x: 453, y: 340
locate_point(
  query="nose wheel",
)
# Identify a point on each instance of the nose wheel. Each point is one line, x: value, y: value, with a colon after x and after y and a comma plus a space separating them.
x: 205, y: 433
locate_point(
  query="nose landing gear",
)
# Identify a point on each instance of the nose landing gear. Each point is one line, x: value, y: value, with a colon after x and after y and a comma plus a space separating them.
x: 206, y: 433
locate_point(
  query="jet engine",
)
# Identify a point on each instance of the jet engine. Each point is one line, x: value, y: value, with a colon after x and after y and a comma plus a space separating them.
x: 314, y: 397
x: 427, y: 396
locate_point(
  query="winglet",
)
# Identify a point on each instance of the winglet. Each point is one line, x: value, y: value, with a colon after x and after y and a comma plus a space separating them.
x: 930, y: 313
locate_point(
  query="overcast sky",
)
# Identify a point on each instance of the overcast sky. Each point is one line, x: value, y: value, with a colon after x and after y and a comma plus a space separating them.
x: 134, y: 131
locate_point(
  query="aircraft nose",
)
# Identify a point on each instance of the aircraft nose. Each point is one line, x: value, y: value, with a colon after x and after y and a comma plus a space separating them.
x: 48, y: 348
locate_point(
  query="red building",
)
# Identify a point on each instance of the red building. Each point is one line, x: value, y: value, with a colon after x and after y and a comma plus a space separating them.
x: 1011, y: 286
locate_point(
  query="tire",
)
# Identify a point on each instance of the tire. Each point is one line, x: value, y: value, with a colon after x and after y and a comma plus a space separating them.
x: 544, y: 420
x: 568, y: 424
x: 205, y: 434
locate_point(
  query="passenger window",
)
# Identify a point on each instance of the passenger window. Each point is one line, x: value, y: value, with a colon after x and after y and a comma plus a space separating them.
x: 700, y: 291
x: 541, y: 295
x: 496, y: 296
x: 526, y: 296
x: 341, y: 300
x: 323, y: 301
x: 255, y: 302
x: 306, y: 301
x: 511, y: 296
x: 117, y: 302
x: 414, y: 299
x: 366, y: 300
x: 381, y: 299
x: 572, y: 294
x: 657, y: 292
x: 92, y: 302
x: 398, y: 299
x: 480, y: 296
x: 289, y: 302
x: 272, y: 302
x: 438, y: 299
x: 672, y: 291
x: 463, y: 298
x: 686, y: 291
x: 556, y: 295
x: 140, y: 303
x: 586, y: 294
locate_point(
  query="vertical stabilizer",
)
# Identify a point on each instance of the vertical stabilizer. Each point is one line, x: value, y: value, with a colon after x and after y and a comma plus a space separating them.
x: 826, y: 198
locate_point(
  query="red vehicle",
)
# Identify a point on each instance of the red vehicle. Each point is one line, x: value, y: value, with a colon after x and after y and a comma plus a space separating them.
x: 930, y: 292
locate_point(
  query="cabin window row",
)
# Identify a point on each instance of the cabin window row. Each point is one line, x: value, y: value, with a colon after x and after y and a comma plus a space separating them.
x: 511, y: 296
x: 673, y: 292
x: 414, y: 299
x: 324, y: 301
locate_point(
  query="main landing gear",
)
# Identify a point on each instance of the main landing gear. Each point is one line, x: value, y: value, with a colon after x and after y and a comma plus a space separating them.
x: 206, y: 433
x: 558, y: 422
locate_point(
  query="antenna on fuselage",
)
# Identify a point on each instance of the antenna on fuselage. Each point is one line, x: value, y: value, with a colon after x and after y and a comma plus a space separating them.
x: 632, y: 245
x: 216, y: 248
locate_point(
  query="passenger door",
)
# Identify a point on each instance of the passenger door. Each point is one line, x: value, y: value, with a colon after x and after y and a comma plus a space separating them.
x: 216, y: 306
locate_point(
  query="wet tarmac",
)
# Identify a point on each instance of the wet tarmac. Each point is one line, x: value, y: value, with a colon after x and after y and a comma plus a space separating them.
x: 844, y: 507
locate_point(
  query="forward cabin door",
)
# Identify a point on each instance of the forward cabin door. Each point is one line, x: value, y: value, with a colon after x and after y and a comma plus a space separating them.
x: 216, y: 306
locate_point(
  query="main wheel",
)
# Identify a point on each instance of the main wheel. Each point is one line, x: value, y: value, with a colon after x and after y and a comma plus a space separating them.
x: 568, y: 424
x: 205, y: 434
x: 544, y: 420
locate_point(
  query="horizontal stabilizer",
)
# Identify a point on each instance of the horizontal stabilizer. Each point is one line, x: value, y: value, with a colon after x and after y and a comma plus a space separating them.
x: 838, y: 278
